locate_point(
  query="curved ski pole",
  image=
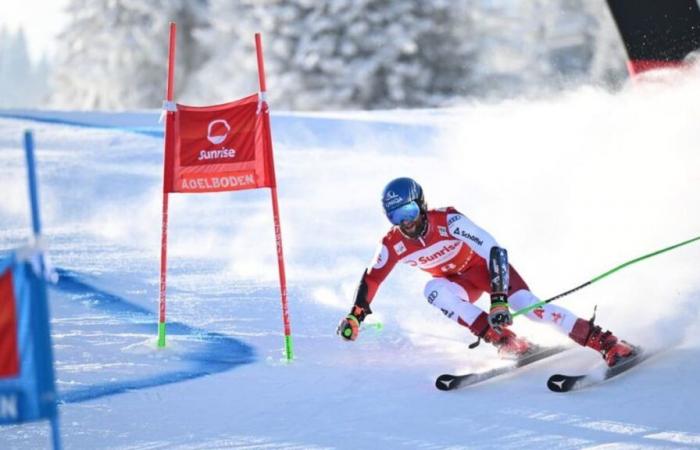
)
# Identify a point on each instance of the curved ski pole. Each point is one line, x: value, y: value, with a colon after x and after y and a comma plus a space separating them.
x: 600, y: 277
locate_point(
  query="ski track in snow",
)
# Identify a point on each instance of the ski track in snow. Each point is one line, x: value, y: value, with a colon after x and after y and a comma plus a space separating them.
x: 221, y: 381
x: 632, y: 432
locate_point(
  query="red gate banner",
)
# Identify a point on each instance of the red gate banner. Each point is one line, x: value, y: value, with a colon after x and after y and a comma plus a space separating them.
x: 220, y: 148
x: 217, y: 148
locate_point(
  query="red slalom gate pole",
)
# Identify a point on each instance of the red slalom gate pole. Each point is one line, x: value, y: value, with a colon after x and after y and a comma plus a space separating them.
x: 167, y: 175
x: 288, y: 345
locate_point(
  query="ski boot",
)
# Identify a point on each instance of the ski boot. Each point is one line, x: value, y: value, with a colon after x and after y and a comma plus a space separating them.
x: 509, y: 345
x: 587, y: 334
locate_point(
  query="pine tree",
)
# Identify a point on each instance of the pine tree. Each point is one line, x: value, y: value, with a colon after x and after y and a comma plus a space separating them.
x: 338, y: 54
x: 15, y: 70
x: 41, y: 73
x: 113, y: 53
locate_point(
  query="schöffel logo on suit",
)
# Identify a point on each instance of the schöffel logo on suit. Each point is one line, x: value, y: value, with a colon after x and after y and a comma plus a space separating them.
x: 466, y: 235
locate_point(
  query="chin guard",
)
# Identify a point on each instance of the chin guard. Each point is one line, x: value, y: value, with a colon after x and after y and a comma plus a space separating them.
x: 498, y: 270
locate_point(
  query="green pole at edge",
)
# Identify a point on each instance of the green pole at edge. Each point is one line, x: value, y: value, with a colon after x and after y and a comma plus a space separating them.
x: 289, y: 347
x: 600, y: 277
x: 161, y: 334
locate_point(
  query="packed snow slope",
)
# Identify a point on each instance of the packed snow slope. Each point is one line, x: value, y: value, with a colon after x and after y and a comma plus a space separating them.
x: 572, y: 185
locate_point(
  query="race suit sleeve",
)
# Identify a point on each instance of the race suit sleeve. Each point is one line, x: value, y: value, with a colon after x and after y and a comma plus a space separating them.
x: 460, y: 227
x: 382, y: 264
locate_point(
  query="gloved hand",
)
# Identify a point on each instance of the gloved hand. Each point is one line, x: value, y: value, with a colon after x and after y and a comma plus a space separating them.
x: 349, y: 328
x: 499, y: 315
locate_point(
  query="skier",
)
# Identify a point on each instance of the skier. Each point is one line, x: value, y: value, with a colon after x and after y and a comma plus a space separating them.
x: 465, y: 261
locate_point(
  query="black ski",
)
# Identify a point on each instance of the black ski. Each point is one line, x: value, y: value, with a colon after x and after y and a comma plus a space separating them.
x: 566, y: 383
x: 449, y: 382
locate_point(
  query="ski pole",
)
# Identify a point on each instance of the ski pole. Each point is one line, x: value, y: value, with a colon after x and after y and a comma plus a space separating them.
x: 376, y: 325
x: 600, y: 277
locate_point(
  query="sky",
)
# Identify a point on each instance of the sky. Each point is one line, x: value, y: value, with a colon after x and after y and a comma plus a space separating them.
x: 41, y: 20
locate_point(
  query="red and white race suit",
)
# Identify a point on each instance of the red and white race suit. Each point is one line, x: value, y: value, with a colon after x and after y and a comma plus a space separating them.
x: 455, y: 252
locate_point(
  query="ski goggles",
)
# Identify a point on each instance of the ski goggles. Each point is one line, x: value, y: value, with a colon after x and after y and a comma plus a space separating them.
x: 405, y: 213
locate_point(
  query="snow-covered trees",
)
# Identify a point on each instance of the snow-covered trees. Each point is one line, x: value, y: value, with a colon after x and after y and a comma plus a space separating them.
x: 534, y: 45
x: 324, y: 54
x: 607, y: 64
x: 332, y: 54
x: 113, y: 53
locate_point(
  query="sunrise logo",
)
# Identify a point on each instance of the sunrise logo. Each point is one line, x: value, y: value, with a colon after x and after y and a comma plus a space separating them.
x: 217, y: 139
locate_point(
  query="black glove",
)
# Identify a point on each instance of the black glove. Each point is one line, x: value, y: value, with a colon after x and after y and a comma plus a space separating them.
x: 499, y: 315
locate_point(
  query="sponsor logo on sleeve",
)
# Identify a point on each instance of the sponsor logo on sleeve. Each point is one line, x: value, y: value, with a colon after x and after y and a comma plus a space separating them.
x: 466, y: 235
x: 381, y: 258
x: 400, y: 248
x: 453, y: 219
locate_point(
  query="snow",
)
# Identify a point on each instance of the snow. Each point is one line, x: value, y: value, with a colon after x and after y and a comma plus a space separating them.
x: 572, y: 185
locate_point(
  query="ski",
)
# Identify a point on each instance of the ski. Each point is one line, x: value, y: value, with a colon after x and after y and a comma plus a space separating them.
x: 566, y: 383
x: 449, y: 382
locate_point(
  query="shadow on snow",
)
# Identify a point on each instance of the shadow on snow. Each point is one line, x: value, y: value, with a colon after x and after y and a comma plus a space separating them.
x: 203, y: 353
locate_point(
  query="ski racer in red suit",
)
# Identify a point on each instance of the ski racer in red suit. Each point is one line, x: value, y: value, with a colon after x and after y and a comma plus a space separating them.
x: 465, y: 261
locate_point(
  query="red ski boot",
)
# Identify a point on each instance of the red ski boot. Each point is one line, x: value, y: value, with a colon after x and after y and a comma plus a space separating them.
x: 613, y: 350
x: 509, y: 345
